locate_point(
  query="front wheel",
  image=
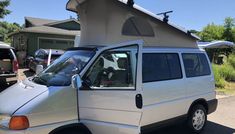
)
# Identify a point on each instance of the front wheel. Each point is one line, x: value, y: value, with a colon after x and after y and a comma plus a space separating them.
x: 197, y: 119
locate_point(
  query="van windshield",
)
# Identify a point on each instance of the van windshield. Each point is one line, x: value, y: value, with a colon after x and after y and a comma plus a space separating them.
x: 60, y: 72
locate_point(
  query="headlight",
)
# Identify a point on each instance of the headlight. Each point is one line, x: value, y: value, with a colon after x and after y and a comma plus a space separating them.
x: 14, y: 122
x: 4, y: 121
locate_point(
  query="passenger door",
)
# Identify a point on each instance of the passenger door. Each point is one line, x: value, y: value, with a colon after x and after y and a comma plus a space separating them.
x: 163, y: 87
x: 111, y: 92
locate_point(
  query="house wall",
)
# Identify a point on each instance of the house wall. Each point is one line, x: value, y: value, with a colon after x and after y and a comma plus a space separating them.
x: 34, y: 40
x: 29, y: 42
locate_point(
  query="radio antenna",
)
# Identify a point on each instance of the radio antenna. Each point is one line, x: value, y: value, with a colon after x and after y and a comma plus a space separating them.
x: 130, y: 3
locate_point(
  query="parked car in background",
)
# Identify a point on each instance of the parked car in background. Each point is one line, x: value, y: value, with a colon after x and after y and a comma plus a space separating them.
x: 43, y: 57
x: 8, y: 64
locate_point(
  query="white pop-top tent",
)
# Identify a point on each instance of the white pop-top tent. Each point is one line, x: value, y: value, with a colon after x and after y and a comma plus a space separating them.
x: 105, y: 22
x: 216, y: 44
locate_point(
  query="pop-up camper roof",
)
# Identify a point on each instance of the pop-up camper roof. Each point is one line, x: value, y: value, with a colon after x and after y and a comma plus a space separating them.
x: 105, y: 22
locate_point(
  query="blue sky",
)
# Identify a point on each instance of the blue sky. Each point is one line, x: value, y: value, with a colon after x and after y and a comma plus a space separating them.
x: 191, y: 14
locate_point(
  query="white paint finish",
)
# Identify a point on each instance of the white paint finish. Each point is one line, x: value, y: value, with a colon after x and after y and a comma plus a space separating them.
x: 110, y: 128
x: 163, y: 91
x: 163, y: 111
x: 5, y: 131
x: 48, y: 128
x: 57, y: 104
x: 38, y: 130
x: 114, y: 106
x: 109, y: 106
x: 111, y: 111
x: 199, y: 85
x: 18, y: 95
x: 163, y: 100
x: 114, y: 116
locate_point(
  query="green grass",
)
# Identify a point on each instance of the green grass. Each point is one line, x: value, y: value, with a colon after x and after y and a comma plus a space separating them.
x: 225, y: 76
x: 231, y: 60
x: 229, y: 89
x: 219, y: 79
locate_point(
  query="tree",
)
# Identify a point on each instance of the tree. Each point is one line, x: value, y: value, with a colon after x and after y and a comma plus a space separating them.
x: 3, y: 10
x: 7, y: 28
x: 229, y: 29
x: 195, y: 32
x: 212, y: 32
x: 233, y: 32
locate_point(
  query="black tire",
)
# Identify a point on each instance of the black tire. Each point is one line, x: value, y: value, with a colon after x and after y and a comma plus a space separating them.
x: 197, y: 119
x: 70, y: 132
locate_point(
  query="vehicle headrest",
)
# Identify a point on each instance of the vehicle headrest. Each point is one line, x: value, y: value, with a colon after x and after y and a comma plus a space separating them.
x: 122, y: 63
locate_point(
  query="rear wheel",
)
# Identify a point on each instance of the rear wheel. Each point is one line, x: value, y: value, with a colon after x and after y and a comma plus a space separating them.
x: 71, y: 132
x: 197, y: 119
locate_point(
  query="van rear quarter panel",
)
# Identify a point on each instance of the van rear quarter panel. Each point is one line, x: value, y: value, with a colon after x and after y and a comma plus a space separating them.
x: 164, y: 100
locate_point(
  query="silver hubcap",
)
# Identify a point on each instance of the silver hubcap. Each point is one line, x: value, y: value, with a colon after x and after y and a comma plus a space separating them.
x: 198, y: 119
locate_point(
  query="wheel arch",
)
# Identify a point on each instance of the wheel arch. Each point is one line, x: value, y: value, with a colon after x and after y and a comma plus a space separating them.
x: 200, y: 101
x: 75, y: 126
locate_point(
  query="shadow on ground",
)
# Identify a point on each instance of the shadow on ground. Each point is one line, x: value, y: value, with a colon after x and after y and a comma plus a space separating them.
x: 211, y: 128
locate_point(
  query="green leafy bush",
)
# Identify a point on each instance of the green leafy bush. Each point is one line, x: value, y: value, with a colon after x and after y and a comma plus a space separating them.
x: 231, y: 60
x: 227, y: 72
x: 219, y: 80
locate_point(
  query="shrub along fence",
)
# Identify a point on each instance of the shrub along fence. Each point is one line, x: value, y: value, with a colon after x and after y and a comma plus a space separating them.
x: 225, y: 72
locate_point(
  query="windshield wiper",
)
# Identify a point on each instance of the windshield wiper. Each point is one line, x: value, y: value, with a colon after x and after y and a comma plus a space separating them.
x: 42, y: 81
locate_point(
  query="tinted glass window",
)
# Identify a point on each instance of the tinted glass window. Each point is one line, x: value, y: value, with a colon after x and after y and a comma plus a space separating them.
x: 196, y: 65
x: 158, y: 67
x: 113, y: 69
x: 6, y: 54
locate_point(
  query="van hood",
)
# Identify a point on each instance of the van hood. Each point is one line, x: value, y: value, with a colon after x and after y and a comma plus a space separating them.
x: 18, y: 95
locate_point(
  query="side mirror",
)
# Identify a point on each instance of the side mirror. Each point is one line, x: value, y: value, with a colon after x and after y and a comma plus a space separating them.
x: 39, y: 69
x: 76, y: 81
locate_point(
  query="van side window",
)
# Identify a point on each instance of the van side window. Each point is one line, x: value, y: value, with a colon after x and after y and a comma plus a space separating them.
x: 113, y: 68
x: 196, y: 64
x: 161, y: 66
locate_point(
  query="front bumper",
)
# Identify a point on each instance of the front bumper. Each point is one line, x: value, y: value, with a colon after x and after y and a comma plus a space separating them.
x: 44, y: 129
x: 212, y: 105
x: 6, y: 131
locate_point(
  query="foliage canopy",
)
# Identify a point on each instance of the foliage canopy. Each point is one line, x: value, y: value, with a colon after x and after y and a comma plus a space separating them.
x: 3, y: 10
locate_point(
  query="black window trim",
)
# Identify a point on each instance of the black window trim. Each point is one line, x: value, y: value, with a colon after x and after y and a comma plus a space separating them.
x: 178, y: 55
x: 206, y: 75
x: 113, y: 89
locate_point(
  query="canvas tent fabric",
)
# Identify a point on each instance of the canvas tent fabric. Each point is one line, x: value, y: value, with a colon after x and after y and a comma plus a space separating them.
x: 105, y: 22
x: 216, y: 44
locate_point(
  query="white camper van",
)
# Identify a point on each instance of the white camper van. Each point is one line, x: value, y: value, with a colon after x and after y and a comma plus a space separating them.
x: 106, y: 87
x: 142, y: 88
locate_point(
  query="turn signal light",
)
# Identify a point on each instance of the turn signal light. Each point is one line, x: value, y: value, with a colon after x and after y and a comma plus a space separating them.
x: 19, y: 123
